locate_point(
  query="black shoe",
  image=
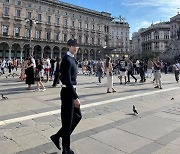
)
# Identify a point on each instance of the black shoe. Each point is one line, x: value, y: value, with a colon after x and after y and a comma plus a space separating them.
x: 55, y: 140
x: 156, y: 87
x: 135, y: 80
x: 68, y: 151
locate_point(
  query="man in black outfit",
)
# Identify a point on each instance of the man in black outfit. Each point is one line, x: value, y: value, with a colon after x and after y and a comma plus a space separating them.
x: 70, y: 107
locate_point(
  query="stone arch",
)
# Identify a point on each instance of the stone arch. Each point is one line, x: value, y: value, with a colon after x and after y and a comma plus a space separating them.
x: 26, y: 51
x: 91, y: 54
x: 85, y: 54
x: 56, y: 52
x: 47, y: 52
x: 79, y: 54
x: 4, y: 50
x: 63, y: 51
x: 16, y: 51
x: 37, y: 52
x: 98, y: 54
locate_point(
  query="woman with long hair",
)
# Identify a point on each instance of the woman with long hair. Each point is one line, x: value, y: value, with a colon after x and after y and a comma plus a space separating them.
x: 23, y: 68
x: 109, y: 73
x: 29, y: 73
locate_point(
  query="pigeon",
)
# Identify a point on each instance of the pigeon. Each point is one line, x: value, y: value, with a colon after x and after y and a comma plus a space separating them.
x: 3, y: 97
x: 134, y: 110
x: 172, y: 98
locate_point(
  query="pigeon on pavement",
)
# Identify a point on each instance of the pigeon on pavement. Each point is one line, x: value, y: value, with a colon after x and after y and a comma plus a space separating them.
x: 3, y: 97
x: 134, y: 110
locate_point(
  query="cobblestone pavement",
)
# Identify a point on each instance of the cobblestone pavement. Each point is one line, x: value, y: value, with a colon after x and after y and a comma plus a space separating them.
x: 28, y: 118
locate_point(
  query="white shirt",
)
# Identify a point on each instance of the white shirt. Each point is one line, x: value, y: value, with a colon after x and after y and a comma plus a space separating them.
x: 70, y: 54
x: 176, y: 66
x: 47, y: 63
x: 33, y: 61
x: 137, y: 63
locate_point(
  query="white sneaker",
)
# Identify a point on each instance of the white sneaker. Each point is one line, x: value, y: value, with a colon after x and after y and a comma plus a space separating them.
x: 44, y: 89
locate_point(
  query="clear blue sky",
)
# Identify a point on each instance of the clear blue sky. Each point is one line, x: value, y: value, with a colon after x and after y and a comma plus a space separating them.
x: 138, y: 13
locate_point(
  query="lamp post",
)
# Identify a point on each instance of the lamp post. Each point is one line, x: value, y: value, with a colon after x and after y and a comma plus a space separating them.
x: 30, y: 22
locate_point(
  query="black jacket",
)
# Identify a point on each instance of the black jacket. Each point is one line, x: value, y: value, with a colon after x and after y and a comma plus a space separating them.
x: 68, y: 71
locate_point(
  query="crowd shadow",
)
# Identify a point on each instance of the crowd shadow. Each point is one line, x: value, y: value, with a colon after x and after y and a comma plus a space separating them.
x: 10, y: 91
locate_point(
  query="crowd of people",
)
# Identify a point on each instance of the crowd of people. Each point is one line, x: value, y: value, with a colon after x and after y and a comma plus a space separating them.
x: 35, y: 71
x: 125, y: 68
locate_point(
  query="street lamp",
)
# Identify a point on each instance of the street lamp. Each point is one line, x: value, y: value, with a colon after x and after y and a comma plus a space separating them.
x: 30, y: 22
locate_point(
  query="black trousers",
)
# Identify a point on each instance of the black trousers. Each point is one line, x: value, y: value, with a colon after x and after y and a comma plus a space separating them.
x: 176, y: 73
x: 56, y: 78
x: 70, y: 117
x: 130, y: 73
x: 142, y: 75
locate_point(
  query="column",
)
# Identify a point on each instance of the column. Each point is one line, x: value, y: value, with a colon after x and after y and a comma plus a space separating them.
x: 9, y: 52
x: 60, y: 54
x: 88, y: 55
x: 21, y: 54
x: 42, y: 52
x: 51, y: 55
x: 82, y: 56
x: 94, y: 54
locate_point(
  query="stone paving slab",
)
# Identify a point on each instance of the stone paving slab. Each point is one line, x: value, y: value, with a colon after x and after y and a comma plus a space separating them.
x: 121, y: 140
x: 150, y: 127
x: 47, y: 133
x: 41, y: 149
x: 30, y: 122
x: 91, y: 123
x: 31, y: 104
x: 11, y: 126
x: 47, y: 119
x: 30, y: 140
x: 9, y: 147
x: 169, y: 149
x: 23, y: 131
x: 177, y: 141
x: 115, y: 116
x: 148, y: 149
x: 171, y: 137
x: 168, y: 116
x: 92, y: 146
x: 9, y: 108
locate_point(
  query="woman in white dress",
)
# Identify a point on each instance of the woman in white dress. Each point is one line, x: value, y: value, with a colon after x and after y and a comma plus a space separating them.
x: 109, y: 73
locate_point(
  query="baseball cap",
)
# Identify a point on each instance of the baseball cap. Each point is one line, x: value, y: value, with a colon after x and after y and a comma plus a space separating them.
x: 72, y: 42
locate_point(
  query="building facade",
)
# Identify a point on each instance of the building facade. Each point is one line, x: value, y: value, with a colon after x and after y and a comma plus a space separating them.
x: 119, y: 43
x: 44, y: 26
x: 153, y: 40
x: 175, y: 35
x: 136, y: 44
